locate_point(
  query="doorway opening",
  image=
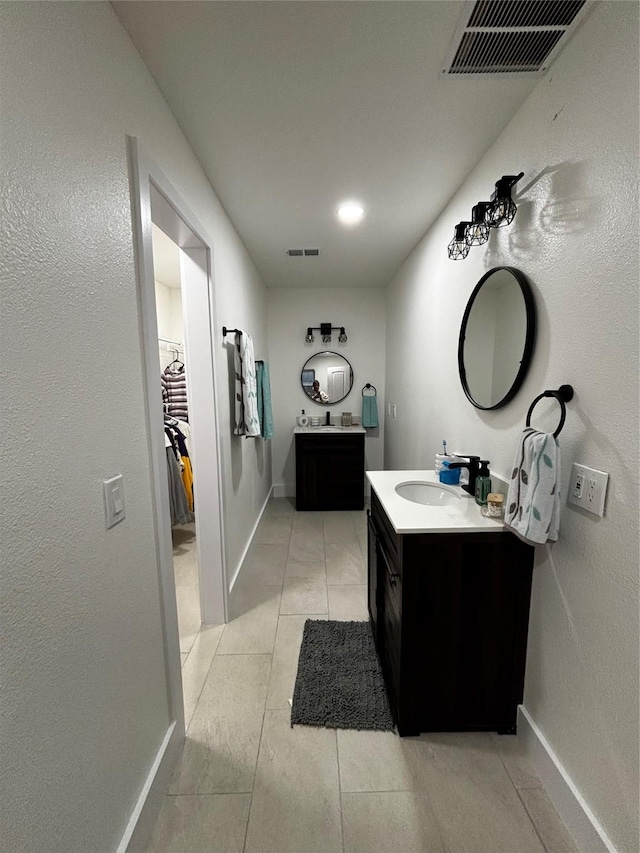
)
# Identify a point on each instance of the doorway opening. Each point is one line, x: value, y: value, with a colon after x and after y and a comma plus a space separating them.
x: 183, y: 315
x: 174, y: 379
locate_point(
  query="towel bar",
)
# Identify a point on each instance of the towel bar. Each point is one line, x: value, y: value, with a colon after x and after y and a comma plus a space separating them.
x: 563, y: 395
x: 226, y: 331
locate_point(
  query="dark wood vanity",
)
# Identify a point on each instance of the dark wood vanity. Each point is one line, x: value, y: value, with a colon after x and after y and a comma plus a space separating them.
x: 449, y: 613
x: 329, y: 471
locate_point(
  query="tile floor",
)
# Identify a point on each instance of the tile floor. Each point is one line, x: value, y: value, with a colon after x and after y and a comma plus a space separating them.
x: 247, y: 781
x: 185, y: 570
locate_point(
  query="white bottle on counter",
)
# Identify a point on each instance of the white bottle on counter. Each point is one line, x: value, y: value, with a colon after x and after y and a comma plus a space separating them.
x: 302, y: 420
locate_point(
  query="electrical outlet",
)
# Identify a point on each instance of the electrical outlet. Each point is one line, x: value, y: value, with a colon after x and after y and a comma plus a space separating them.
x: 588, y: 488
x: 578, y: 485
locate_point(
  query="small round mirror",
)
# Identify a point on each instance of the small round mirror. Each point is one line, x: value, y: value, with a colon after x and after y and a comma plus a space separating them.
x: 496, y: 338
x: 326, y: 378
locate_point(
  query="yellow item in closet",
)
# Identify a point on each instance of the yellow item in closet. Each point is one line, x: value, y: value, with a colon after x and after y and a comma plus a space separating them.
x: 187, y: 479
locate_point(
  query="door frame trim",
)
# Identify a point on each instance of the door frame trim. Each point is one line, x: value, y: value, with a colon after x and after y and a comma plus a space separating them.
x: 145, y: 174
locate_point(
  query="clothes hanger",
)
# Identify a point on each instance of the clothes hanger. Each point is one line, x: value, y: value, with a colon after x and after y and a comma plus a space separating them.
x: 176, y: 360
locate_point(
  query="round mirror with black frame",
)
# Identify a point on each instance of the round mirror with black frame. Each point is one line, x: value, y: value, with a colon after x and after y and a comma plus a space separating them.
x: 496, y: 338
x: 326, y: 378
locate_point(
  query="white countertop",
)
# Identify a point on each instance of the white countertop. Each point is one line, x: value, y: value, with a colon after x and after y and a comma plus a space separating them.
x: 409, y: 517
x: 323, y: 429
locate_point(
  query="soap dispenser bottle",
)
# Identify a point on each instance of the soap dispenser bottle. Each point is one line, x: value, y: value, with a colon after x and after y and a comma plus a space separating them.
x: 483, y: 482
x: 303, y: 420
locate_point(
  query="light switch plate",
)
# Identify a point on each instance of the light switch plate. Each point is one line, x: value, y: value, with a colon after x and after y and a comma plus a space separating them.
x: 588, y: 488
x: 114, y: 500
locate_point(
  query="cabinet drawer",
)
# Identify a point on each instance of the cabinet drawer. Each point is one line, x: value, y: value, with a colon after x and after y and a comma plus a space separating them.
x: 392, y: 542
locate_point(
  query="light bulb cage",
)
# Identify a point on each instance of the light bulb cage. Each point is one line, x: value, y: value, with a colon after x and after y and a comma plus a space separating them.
x: 458, y: 248
x: 503, y: 208
x: 477, y: 232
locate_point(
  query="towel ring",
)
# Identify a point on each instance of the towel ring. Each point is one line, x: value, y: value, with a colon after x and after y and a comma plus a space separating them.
x: 562, y: 395
x: 366, y: 387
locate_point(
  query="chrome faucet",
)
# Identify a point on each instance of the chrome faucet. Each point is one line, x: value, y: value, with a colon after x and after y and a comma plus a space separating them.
x: 472, y: 464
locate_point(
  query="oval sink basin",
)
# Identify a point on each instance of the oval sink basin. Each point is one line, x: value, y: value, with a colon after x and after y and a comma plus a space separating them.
x: 429, y: 494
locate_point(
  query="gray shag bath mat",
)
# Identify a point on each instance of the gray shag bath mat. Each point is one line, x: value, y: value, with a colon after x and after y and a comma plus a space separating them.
x: 339, y: 683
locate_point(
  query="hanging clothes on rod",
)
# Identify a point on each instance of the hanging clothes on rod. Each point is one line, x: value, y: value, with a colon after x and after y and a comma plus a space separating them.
x: 174, y: 390
x: 180, y: 473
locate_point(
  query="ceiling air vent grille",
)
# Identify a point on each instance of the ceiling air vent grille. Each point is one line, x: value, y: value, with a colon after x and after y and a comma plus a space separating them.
x: 307, y: 253
x: 512, y: 36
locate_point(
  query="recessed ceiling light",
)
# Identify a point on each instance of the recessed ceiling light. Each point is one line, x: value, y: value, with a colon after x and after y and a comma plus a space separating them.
x: 350, y: 212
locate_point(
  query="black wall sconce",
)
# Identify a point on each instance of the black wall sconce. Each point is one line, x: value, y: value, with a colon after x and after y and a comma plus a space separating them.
x: 503, y: 208
x: 325, y: 330
x: 459, y: 248
x: 485, y: 215
x: 477, y: 232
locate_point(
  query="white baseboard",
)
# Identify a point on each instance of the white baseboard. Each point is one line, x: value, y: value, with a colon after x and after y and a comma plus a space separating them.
x: 250, y: 539
x: 138, y: 832
x: 583, y: 825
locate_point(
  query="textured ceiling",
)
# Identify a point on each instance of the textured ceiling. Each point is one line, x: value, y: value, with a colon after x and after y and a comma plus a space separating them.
x: 292, y: 107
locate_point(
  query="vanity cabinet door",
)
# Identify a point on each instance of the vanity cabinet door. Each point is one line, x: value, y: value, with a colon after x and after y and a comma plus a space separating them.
x: 451, y: 620
x: 329, y: 472
x: 372, y: 575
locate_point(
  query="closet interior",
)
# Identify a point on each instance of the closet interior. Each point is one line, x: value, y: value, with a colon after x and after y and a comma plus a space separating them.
x: 173, y: 379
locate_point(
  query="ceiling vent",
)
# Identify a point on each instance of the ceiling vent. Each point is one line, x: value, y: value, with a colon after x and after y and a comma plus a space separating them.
x: 307, y: 253
x: 512, y: 36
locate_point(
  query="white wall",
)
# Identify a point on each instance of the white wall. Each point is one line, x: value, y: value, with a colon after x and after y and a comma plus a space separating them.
x: 83, y: 685
x: 291, y: 311
x: 575, y: 237
x: 169, y: 308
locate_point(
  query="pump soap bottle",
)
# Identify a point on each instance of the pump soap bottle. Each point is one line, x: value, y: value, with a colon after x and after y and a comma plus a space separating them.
x: 483, y: 483
x: 303, y: 420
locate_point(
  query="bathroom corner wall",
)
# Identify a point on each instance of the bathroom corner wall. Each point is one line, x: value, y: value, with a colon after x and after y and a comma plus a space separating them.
x: 290, y: 311
x: 576, y: 239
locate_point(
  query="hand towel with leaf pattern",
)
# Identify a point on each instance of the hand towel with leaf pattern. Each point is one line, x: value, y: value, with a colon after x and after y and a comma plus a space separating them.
x: 533, y: 500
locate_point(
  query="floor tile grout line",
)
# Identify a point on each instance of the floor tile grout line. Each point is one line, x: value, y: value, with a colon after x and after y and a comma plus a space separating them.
x: 532, y: 821
x: 204, y: 681
x: 211, y: 794
x: 255, y: 769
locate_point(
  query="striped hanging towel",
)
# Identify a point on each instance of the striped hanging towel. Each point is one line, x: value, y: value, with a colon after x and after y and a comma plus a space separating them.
x: 246, y: 403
